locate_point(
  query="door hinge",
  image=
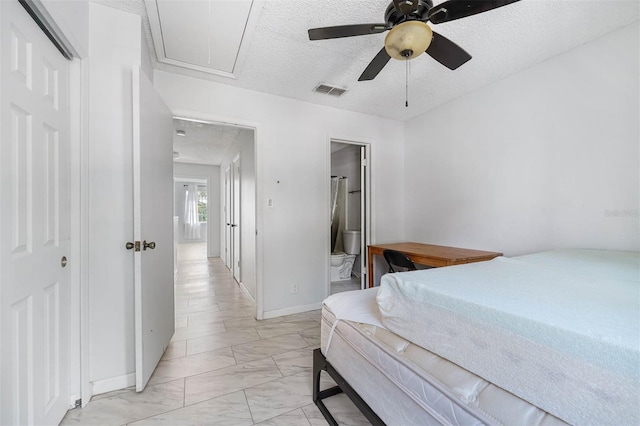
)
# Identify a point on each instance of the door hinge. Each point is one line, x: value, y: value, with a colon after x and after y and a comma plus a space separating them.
x: 364, y: 162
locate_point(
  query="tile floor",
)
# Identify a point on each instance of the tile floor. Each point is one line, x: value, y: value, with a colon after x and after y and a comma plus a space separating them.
x: 222, y: 366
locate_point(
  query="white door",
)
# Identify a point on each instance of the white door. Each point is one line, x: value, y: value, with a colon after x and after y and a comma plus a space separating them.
x: 235, y: 226
x: 365, y: 215
x: 153, y: 226
x: 227, y: 217
x: 34, y: 223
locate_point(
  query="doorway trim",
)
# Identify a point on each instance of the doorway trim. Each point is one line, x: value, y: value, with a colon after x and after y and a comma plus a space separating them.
x: 366, y: 218
x: 257, y: 146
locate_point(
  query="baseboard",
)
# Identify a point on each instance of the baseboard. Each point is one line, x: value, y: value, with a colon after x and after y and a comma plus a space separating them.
x: 113, y: 383
x: 246, y: 292
x: 292, y: 310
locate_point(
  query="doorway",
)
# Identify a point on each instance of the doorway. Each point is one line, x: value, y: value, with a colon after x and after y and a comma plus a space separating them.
x: 202, y: 145
x: 349, y: 206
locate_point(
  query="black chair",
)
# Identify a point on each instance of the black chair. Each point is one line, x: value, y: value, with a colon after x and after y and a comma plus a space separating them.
x: 398, y: 259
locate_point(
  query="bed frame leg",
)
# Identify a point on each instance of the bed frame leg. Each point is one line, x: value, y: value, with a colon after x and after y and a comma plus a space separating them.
x: 320, y: 364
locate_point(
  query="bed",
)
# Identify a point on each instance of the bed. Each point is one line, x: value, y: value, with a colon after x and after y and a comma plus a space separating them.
x: 547, y: 339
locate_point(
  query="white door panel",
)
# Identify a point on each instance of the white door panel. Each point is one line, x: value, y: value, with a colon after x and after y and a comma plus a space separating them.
x: 227, y: 217
x: 236, y: 227
x: 34, y: 223
x: 153, y: 224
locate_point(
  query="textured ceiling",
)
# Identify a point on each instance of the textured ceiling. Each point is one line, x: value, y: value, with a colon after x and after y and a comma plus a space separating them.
x: 280, y: 59
x: 205, y: 143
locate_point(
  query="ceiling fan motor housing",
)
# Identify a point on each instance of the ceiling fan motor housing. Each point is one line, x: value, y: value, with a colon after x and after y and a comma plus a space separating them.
x: 420, y: 12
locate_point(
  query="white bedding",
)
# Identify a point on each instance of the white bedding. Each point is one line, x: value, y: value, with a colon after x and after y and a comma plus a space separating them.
x: 558, y: 329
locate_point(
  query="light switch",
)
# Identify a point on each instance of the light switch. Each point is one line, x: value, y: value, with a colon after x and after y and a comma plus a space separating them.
x: 270, y: 202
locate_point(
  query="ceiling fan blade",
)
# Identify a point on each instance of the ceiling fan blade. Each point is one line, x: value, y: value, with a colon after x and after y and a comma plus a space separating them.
x: 346, y: 31
x: 456, y: 9
x: 375, y: 66
x: 447, y: 52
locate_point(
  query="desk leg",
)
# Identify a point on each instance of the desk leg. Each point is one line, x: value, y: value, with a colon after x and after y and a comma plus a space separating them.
x: 370, y: 267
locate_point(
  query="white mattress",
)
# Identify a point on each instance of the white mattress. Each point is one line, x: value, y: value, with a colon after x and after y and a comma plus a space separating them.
x: 560, y: 329
x: 406, y: 384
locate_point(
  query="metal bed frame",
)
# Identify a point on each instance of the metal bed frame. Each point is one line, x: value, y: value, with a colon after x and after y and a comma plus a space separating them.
x: 320, y: 364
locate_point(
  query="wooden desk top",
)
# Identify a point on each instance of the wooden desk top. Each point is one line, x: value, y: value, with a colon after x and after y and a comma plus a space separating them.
x: 449, y: 255
x: 429, y: 254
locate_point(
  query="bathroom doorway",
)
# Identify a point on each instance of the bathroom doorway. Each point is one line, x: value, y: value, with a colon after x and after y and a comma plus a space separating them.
x: 349, y: 206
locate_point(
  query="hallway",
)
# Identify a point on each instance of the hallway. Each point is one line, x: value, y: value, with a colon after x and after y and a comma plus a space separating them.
x: 222, y: 366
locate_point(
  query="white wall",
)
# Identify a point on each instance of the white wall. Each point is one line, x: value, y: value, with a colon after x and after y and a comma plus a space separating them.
x: 292, y: 169
x: 212, y: 175
x: 534, y: 161
x: 71, y: 16
x: 114, y: 47
x: 245, y: 147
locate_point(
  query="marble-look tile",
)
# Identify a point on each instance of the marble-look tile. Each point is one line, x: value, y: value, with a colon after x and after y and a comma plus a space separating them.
x: 175, y: 350
x: 129, y: 406
x: 208, y: 317
x: 263, y: 348
x: 292, y: 418
x: 227, y: 410
x: 277, y: 329
x: 220, y: 382
x: 279, y: 396
x: 315, y: 315
x: 181, y: 321
x: 180, y: 302
x: 202, y: 299
x: 192, y: 365
x: 113, y: 393
x: 295, y: 362
x: 341, y: 408
x: 226, y: 306
x: 311, y: 336
x: 220, y: 340
x: 191, y: 310
x: 240, y: 323
x: 198, y: 330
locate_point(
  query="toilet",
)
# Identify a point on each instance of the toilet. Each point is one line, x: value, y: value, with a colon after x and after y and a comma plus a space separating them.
x: 342, y: 263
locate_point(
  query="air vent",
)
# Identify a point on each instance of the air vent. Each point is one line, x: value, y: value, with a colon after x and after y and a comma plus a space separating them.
x: 329, y: 90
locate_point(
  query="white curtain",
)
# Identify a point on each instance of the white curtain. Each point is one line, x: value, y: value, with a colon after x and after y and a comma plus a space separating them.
x: 191, y: 222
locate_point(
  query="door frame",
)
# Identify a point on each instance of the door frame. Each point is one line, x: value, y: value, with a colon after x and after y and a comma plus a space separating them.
x: 366, y: 218
x: 257, y: 149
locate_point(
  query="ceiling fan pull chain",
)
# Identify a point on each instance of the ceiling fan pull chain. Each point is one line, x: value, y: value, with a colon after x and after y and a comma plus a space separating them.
x: 406, y: 85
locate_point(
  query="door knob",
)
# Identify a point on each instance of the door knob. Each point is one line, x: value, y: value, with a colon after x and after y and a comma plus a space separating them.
x: 131, y: 245
x: 148, y: 245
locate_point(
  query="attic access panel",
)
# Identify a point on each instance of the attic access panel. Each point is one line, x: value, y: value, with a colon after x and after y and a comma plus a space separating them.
x: 208, y: 36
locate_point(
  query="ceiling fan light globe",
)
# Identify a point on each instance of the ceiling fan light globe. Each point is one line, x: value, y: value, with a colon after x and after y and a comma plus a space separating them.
x: 410, y: 36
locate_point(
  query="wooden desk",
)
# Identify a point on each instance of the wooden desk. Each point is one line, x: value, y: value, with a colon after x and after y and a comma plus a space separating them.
x: 429, y: 254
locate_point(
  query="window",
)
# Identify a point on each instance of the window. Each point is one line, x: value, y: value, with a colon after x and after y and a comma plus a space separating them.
x: 202, y: 206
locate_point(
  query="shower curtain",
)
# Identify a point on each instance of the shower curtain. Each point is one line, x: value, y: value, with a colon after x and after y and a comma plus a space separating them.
x: 191, y: 222
x: 338, y: 198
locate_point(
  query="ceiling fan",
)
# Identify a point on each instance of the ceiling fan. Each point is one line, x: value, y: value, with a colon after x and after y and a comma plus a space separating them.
x: 409, y: 35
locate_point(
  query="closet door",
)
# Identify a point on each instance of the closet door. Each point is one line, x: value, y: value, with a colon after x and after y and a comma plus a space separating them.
x: 34, y: 223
